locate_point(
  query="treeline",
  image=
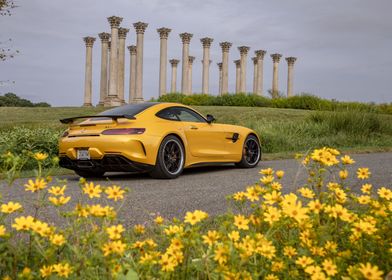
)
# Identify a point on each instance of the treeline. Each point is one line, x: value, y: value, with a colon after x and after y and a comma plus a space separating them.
x: 12, y: 100
x: 303, y: 101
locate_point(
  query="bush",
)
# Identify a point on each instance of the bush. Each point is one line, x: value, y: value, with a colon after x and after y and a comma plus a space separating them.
x: 12, y: 100
x: 324, y: 229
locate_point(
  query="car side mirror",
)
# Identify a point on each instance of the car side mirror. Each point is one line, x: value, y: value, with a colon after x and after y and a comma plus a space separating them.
x: 210, y: 118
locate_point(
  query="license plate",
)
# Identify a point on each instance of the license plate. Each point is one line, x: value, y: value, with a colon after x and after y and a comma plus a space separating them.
x: 83, y: 154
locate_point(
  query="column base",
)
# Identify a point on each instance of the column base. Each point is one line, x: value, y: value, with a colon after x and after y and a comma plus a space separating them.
x: 87, y: 105
x: 101, y: 104
x: 112, y: 101
x: 138, y: 100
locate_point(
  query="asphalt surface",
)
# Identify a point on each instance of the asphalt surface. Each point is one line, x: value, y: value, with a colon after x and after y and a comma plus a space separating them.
x: 198, y: 188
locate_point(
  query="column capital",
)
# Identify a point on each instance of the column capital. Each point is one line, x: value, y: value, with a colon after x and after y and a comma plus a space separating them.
x: 140, y: 27
x: 122, y: 32
x: 115, y: 21
x: 276, y: 57
x: 206, y: 41
x: 243, y: 49
x: 225, y: 46
x: 132, y: 49
x: 191, y: 59
x: 219, y: 65
x: 163, y: 32
x: 260, y: 53
x: 255, y: 59
x: 237, y: 63
x: 104, y: 36
x: 186, y: 37
x: 89, y: 41
x: 290, y: 60
x: 174, y: 62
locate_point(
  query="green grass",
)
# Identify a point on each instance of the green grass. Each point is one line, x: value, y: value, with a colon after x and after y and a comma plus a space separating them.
x: 284, y: 132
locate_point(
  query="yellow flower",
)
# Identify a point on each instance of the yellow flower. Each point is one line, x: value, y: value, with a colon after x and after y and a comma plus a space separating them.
x: 234, y: 236
x: 370, y: 272
x: 111, y: 247
x: 271, y: 215
x: 46, y: 271
x: 366, y: 188
x: 315, y: 206
x: 41, y: 228
x: 26, y: 272
x: 62, y: 269
x: 40, y: 156
x: 279, y: 174
x: 252, y: 194
x: 91, y: 190
x: 57, y: 239
x: 57, y: 191
x: 267, y: 179
x: 221, y: 254
x: 296, y: 211
x: 195, y: 217
x: 364, y: 199
x: 159, y: 220
x: 59, y: 201
x: 267, y: 171
x: 329, y: 267
x: 276, y: 186
x: 34, y: 186
x: 343, y: 174
x: 239, y: 196
x: 140, y: 229
x: 115, y: 193
x: 211, y: 237
x: 306, y: 192
x: 347, y: 160
x: 363, y: 173
x: 114, y: 232
x: 385, y: 193
x: 304, y: 261
x: 23, y: 223
x: 168, y: 263
x: 171, y: 230
x: 2, y: 230
x: 271, y: 198
x: 241, y: 222
x: 271, y: 277
x: 289, y: 251
x: 10, y: 207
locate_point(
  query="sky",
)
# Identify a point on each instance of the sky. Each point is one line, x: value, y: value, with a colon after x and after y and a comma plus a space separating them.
x: 343, y: 47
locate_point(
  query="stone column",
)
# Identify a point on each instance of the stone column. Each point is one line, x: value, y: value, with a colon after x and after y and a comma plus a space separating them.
x: 108, y: 73
x: 220, y: 77
x: 174, y: 63
x: 140, y: 29
x: 244, y: 52
x: 103, y: 87
x: 237, y: 75
x: 206, y: 64
x: 89, y: 71
x: 186, y: 39
x: 275, y: 87
x: 112, y: 98
x: 132, y: 73
x: 190, y: 63
x: 163, y: 34
x: 290, y: 75
x: 225, y: 66
x: 254, y: 59
x: 260, y: 71
x: 122, y: 34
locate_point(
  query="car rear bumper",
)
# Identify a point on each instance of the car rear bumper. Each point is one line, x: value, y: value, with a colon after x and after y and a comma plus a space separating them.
x: 115, y: 163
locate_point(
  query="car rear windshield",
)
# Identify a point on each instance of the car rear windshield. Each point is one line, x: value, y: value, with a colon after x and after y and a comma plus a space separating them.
x: 130, y: 109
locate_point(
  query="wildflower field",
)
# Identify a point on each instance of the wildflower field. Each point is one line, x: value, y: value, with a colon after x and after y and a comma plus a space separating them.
x: 326, y: 229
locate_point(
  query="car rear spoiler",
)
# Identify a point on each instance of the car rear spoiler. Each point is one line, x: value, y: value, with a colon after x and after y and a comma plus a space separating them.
x: 113, y: 117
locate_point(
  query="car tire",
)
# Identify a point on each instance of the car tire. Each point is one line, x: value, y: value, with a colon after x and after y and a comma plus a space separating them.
x: 90, y: 173
x: 170, y: 160
x: 251, y: 153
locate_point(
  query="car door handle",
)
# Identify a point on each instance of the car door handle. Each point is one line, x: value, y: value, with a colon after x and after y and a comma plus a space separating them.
x: 193, y: 127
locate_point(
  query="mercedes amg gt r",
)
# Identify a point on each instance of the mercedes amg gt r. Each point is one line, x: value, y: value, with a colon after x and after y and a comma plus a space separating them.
x: 159, y: 138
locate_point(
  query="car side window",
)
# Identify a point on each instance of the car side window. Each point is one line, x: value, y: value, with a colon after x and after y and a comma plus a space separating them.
x: 180, y: 114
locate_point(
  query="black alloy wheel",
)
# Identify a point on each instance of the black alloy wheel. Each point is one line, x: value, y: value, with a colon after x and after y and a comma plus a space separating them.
x: 251, y: 153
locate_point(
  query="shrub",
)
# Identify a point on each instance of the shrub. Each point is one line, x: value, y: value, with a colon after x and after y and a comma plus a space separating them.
x: 323, y: 229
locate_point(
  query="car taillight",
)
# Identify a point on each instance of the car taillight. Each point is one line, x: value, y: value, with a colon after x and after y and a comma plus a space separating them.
x: 123, y: 131
x: 65, y: 134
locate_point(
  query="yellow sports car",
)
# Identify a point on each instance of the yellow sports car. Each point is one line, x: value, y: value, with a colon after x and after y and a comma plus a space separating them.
x: 159, y: 138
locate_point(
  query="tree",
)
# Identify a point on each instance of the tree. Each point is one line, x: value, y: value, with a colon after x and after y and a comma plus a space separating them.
x: 12, y: 100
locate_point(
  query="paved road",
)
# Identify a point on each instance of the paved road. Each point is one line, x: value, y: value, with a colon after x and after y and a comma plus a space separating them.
x: 201, y: 188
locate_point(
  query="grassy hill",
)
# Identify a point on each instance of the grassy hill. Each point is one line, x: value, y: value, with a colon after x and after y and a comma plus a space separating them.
x: 283, y: 131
